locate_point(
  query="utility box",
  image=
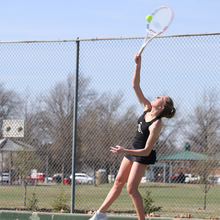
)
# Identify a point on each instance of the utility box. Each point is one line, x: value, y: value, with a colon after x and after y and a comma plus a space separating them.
x: 101, y: 176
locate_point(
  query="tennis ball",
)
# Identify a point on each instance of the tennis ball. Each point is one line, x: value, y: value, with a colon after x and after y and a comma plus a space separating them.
x: 148, y: 17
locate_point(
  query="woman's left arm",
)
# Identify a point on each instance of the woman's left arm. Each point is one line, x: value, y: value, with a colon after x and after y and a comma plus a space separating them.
x: 154, y: 129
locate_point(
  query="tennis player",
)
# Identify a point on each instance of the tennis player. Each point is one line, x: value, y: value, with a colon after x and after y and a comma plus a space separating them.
x: 141, y: 153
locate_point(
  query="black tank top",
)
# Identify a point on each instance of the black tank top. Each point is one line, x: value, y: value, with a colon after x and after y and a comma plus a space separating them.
x: 143, y: 132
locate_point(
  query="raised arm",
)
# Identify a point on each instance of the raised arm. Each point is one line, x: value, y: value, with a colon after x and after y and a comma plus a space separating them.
x: 136, y: 83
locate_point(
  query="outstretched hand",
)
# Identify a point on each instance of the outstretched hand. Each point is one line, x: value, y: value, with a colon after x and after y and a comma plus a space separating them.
x: 117, y: 150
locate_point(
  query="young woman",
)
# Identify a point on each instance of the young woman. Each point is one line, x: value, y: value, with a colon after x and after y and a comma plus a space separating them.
x: 140, y: 155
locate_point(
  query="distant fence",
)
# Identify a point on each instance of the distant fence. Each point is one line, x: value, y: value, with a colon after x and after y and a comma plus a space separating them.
x: 38, y: 85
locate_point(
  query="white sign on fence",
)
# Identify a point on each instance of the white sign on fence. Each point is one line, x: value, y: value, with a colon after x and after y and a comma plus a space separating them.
x: 34, y: 174
x: 13, y: 128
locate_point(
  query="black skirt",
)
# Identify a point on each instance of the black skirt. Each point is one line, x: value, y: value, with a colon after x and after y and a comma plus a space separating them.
x: 150, y: 159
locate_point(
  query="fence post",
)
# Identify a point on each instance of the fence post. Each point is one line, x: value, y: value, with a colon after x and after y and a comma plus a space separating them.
x: 74, y: 129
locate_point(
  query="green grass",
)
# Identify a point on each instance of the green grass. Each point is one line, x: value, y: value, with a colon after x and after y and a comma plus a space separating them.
x: 174, y: 198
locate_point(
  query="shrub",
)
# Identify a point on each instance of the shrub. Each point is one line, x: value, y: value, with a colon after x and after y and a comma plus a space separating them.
x: 32, y: 203
x: 148, y: 203
x: 60, y: 201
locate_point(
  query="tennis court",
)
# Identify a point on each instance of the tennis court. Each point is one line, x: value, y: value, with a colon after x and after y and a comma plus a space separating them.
x: 38, y: 80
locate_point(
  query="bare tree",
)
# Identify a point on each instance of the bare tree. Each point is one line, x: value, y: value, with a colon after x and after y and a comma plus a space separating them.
x: 59, y: 105
x: 203, y: 136
x: 49, y: 122
x: 205, y: 124
x: 25, y: 160
x: 98, y: 129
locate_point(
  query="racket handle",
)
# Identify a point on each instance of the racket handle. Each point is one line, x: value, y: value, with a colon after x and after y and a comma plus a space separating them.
x: 144, y: 45
x: 141, y: 50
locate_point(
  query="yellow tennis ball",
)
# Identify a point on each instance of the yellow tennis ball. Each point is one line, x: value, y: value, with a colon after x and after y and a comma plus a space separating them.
x: 148, y: 17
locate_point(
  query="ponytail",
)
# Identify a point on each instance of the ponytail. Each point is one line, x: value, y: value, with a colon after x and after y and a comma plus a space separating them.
x: 169, y: 111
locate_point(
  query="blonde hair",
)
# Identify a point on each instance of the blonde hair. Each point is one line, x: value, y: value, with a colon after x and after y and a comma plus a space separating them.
x: 169, y: 111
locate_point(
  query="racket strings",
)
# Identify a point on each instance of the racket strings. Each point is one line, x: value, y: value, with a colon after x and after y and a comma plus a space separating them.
x: 160, y: 20
x: 153, y: 31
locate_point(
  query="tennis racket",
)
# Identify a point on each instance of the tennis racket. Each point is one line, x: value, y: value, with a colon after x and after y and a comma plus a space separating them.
x: 161, y: 19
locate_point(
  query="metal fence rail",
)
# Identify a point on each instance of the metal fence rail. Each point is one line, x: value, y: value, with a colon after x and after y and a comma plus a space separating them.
x: 37, y: 85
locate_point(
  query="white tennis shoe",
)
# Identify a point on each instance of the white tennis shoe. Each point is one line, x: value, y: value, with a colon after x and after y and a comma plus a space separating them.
x: 99, y: 216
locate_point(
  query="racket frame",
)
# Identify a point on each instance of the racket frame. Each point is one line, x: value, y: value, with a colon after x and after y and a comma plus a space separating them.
x: 156, y: 34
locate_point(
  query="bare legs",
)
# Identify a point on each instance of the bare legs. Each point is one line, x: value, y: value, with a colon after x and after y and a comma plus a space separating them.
x: 132, y: 172
x: 120, y: 180
x: 134, y: 179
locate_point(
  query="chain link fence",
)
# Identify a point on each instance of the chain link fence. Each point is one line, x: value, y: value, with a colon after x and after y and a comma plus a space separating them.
x: 37, y: 86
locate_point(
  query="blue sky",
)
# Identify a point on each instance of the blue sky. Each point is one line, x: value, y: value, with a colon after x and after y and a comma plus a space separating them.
x: 69, y: 19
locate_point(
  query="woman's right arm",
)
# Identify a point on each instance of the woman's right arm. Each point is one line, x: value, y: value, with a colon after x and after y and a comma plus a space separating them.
x: 136, y: 83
